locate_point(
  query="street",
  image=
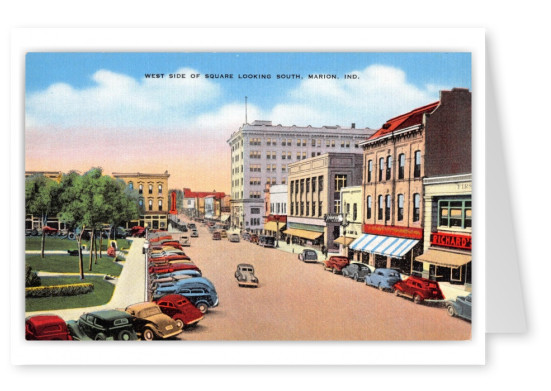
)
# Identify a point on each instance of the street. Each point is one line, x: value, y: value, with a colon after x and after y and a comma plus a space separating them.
x: 302, y: 301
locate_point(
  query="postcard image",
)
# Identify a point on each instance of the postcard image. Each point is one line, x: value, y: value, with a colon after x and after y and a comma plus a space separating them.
x: 248, y: 196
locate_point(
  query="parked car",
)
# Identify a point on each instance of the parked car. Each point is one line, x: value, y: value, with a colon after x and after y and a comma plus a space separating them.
x: 246, y: 236
x: 137, y: 231
x: 193, y: 273
x: 49, y: 231
x: 46, y: 328
x: 171, y: 243
x: 184, y: 241
x: 245, y: 275
x: 103, y: 325
x: 150, y: 322
x: 180, y: 309
x: 383, y: 278
x: 154, y: 283
x: 216, y: 236
x: 199, y: 291
x: 169, y: 259
x: 266, y: 241
x: 172, y: 267
x: 254, y: 238
x: 336, y: 263
x: 461, y: 307
x: 223, y: 234
x: 192, y: 226
x: 157, y: 238
x: 194, y: 233
x: 308, y: 255
x: 356, y: 270
x: 233, y: 238
x: 419, y: 289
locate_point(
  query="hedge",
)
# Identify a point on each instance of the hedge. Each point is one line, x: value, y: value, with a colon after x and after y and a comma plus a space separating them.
x: 59, y: 290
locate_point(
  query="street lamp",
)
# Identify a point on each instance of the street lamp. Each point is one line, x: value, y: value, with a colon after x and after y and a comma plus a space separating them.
x: 344, y: 224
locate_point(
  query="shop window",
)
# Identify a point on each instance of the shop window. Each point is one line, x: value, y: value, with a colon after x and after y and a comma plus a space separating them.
x: 401, y: 165
x: 387, y: 207
x: 455, y: 213
x: 380, y: 211
x: 416, y: 206
x: 388, y: 167
x: 400, y: 207
x: 369, y: 170
x: 381, y: 168
x: 417, y: 167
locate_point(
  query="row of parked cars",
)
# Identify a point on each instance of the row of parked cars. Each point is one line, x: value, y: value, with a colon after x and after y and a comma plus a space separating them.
x: 261, y: 240
x: 416, y: 288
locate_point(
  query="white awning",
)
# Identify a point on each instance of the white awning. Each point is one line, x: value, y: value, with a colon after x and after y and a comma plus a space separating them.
x: 389, y: 246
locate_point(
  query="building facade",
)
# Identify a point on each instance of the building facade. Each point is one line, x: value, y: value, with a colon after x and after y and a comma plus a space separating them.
x: 153, y: 197
x: 313, y: 196
x: 261, y: 153
x: 351, y: 223
x: 276, y: 211
x: 431, y: 140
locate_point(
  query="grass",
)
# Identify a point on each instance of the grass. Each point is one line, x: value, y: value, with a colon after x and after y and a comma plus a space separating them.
x: 103, y: 291
x: 56, y: 243
x: 69, y: 264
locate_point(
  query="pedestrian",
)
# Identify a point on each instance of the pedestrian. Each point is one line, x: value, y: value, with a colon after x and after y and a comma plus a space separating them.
x: 323, y: 249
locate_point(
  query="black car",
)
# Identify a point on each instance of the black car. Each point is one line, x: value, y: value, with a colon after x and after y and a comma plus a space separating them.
x: 357, y: 271
x: 308, y: 255
x: 102, y: 325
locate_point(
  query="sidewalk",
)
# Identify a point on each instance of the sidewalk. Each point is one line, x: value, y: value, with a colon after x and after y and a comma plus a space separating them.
x: 127, y: 290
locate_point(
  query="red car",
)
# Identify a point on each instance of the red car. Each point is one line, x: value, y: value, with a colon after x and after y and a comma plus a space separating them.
x: 160, y: 238
x: 49, y: 230
x: 254, y: 238
x: 172, y: 267
x: 168, y: 258
x: 171, y: 243
x: 180, y: 309
x: 46, y: 328
x: 336, y: 263
x: 137, y: 231
x: 419, y: 289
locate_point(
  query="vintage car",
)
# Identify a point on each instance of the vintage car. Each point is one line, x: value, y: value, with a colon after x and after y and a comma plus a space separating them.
x: 172, y: 267
x: 383, y: 278
x: 246, y: 236
x: 419, y: 289
x: 198, y: 290
x: 336, y: 263
x: 266, y: 241
x: 356, y: 270
x: 193, y: 273
x: 184, y: 241
x: 194, y: 233
x: 192, y: 226
x: 171, y: 243
x: 245, y: 275
x: 180, y: 309
x: 166, y: 251
x: 103, y: 325
x: 223, y: 234
x: 49, y: 231
x: 308, y: 255
x: 150, y: 322
x: 154, y: 283
x: 157, y: 238
x: 234, y: 238
x: 46, y: 328
x: 137, y: 231
x: 253, y: 238
x: 216, y: 236
x: 461, y: 307
x: 169, y: 257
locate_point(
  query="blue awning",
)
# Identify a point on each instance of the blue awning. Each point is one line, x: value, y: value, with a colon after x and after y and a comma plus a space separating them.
x: 389, y: 246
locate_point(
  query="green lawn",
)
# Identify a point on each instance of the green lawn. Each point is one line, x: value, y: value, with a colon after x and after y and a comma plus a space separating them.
x: 102, y: 293
x: 69, y: 264
x: 55, y: 243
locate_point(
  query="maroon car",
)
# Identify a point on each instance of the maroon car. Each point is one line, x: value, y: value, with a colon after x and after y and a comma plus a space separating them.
x: 172, y: 267
x: 160, y: 238
x: 180, y: 309
x: 419, y: 289
x: 46, y: 328
x: 336, y: 263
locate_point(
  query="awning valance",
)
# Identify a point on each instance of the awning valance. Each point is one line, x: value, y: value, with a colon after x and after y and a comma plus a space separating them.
x: 444, y: 258
x: 344, y: 240
x: 389, y: 246
x: 225, y: 217
x: 272, y: 226
x: 303, y: 233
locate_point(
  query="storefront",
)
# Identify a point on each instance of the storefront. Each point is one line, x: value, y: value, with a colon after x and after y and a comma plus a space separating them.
x: 305, y: 234
x: 274, y: 228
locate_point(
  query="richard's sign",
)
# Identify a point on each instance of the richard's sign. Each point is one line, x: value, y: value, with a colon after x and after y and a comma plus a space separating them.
x: 450, y: 240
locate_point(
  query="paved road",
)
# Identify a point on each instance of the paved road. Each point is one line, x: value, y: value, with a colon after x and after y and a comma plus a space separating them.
x: 297, y: 301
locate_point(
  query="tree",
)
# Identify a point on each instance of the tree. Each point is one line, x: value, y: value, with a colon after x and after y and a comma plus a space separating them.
x: 42, y: 199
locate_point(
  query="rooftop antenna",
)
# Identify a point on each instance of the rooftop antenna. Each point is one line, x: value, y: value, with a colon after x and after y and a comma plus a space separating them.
x: 246, y: 110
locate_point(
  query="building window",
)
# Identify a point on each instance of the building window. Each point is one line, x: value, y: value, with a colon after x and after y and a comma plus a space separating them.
x: 283, y: 168
x: 302, y: 186
x: 308, y: 185
x: 140, y: 189
x: 313, y: 142
x: 313, y: 184
x: 283, y: 180
x: 296, y: 187
x: 288, y: 155
x: 319, y: 143
x: 313, y: 208
x: 150, y: 204
x: 307, y: 208
x: 320, y: 209
x: 298, y: 155
x: 141, y: 202
x: 401, y: 165
x: 302, y: 208
x: 369, y: 170
x: 303, y: 154
x: 160, y: 189
x: 130, y: 185
x: 388, y: 167
x: 400, y: 207
x: 380, y: 211
x: 289, y: 142
x: 320, y: 183
x: 368, y: 203
x: 292, y: 188
x: 381, y: 168
x: 292, y: 208
x: 313, y: 154
x: 255, y: 211
x: 387, y: 208
x: 160, y: 205
x: 416, y: 203
x: 283, y: 155
x: 354, y: 212
x: 340, y: 182
x: 417, y: 168
x: 327, y: 143
x: 455, y: 213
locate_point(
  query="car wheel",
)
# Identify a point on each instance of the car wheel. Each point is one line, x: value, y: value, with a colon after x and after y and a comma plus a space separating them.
x: 100, y: 337
x: 148, y: 334
x: 451, y: 310
x: 180, y: 323
x: 380, y: 287
x: 417, y: 299
x: 356, y: 278
x: 203, y: 307
x: 125, y: 335
x: 396, y: 292
x: 334, y: 271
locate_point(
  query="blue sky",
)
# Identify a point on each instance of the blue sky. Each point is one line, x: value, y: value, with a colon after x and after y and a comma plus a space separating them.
x: 72, y: 96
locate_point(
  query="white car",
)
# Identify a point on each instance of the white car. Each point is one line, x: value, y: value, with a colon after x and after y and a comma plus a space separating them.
x: 184, y: 241
x: 194, y: 233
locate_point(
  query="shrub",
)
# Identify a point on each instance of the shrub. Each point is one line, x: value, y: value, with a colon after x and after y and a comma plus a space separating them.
x: 59, y: 290
x: 31, y: 278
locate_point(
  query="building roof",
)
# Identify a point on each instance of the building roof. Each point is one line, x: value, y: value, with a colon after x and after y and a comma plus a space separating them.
x: 403, y: 121
x: 203, y: 194
x: 139, y: 174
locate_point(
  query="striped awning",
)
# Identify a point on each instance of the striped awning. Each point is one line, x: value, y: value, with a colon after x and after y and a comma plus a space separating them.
x: 389, y: 246
x: 302, y: 233
x: 272, y: 226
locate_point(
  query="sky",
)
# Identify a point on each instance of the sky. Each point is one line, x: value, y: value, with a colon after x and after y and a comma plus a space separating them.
x: 86, y: 110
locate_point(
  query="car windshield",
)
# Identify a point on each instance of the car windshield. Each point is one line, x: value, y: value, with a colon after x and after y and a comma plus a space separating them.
x: 393, y: 274
x: 150, y: 311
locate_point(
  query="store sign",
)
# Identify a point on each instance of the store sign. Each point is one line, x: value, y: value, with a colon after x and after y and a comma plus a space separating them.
x: 450, y: 240
x: 332, y: 218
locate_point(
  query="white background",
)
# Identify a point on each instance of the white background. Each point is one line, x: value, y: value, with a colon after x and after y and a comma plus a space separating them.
x: 517, y: 52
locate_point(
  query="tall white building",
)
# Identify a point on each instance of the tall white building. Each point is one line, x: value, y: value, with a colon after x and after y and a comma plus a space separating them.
x: 261, y: 152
